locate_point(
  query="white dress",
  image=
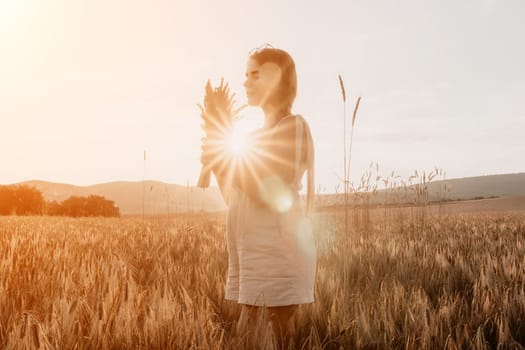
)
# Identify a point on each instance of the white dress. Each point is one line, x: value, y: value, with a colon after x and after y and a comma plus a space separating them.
x: 271, y: 254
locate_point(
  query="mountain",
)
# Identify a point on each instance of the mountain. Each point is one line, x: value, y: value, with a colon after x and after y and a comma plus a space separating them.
x: 163, y: 198
x: 159, y: 197
x: 489, y: 186
x: 506, y: 185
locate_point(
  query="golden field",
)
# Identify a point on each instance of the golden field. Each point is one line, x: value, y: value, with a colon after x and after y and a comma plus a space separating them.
x: 397, y: 279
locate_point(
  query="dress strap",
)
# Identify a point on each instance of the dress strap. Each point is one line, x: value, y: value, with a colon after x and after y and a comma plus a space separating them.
x: 298, y: 149
x: 303, y: 139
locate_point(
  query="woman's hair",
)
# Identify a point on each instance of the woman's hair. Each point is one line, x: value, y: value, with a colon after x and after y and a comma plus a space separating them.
x: 286, y: 91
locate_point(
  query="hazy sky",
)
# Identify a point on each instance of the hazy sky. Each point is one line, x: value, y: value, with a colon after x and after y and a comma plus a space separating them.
x: 86, y: 86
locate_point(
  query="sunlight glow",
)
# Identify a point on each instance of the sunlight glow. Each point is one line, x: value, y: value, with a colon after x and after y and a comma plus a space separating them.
x: 238, y: 140
x: 284, y: 203
x: 5, y: 4
x: 276, y: 194
x: 8, y: 15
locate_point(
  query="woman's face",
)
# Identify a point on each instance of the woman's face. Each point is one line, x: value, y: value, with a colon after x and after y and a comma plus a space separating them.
x: 261, y: 81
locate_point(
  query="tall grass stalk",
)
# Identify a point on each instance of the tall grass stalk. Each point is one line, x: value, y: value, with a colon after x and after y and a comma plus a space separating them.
x: 345, y: 175
x: 346, y: 160
x: 354, y: 115
x: 143, y: 187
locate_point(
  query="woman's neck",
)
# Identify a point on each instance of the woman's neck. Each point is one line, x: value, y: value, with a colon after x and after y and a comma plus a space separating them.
x: 272, y: 115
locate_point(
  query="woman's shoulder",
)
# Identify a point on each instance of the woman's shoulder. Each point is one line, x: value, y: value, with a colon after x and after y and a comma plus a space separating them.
x: 291, y: 118
x: 291, y: 122
x: 286, y: 127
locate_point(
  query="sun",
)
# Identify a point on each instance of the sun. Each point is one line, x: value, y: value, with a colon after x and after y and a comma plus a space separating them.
x: 237, y: 141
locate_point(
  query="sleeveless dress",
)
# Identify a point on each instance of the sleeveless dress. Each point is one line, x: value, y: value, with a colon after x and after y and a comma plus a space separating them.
x: 271, y: 253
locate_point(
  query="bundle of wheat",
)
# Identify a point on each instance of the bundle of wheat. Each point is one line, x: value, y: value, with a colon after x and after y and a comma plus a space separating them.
x: 218, y: 115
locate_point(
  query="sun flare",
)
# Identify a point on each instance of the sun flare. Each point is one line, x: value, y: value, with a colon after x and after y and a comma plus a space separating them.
x: 238, y: 139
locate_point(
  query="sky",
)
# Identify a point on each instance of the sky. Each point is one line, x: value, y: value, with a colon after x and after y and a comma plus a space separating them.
x: 87, y: 86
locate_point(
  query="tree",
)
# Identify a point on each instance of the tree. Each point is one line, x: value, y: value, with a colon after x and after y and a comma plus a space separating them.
x: 54, y: 208
x: 21, y: 200
x: 85, y: 206
x: 7, y: 200
x: 29, y: 200
x: 74, y: 206
x: 100, y: 206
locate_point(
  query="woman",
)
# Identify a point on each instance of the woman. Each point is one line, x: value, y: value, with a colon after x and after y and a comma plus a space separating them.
x: 270, y: 245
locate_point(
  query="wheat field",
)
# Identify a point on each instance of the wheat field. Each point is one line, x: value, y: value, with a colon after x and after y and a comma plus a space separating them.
x: 393, y: 281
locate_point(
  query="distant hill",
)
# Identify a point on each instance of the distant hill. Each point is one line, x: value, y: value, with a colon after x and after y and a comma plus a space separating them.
x: 159, y: 197
x: 506, y: 185
x: 489, y: 186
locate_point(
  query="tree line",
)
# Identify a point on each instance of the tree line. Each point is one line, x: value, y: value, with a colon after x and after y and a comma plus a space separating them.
x: 28, y: 200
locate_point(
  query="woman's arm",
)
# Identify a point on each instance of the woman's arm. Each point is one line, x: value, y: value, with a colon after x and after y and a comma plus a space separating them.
x: 225, y: 187
x: 214, y: 156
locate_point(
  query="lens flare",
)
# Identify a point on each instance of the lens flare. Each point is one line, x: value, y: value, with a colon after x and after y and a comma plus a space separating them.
x: 276, y: 194
x: 284, y: 203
